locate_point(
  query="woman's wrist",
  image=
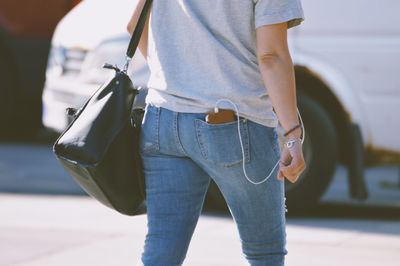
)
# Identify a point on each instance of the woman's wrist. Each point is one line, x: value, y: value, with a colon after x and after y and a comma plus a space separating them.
x: 294, y: 130
x: 291, y: 129
x: 294, y: 135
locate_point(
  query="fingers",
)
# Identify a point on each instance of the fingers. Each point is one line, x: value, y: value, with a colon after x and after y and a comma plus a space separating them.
x: 293, y: 171
x: 293, y: 167
x: 280, y: 175
x: 286, y: 158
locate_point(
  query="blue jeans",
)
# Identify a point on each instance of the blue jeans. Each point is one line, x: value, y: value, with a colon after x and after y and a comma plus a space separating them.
x: 181, y: 152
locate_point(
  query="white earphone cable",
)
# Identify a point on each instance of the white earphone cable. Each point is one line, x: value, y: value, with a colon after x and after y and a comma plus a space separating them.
x: 241, y: 142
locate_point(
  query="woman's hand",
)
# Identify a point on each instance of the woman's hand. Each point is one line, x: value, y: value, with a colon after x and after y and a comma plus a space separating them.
x: 292, y: 162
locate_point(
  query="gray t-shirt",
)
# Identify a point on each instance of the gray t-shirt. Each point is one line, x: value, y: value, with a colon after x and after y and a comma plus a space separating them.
x: 200, y: 51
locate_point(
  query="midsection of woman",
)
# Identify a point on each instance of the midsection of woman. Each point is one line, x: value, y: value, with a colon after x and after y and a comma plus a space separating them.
x: 201, y: 51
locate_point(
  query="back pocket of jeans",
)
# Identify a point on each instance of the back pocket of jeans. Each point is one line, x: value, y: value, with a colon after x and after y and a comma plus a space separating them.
x: 220, y: 144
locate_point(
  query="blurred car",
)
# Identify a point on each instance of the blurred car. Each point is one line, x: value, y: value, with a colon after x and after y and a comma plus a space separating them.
x: 348, y: 87
x: 79, y: 49
x: 26, y: 28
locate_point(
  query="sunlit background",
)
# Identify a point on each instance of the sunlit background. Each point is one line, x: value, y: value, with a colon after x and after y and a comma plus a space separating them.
x: 344, y: 209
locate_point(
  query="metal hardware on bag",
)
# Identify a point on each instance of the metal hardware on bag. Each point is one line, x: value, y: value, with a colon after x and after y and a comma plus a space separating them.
x: 126, y: 65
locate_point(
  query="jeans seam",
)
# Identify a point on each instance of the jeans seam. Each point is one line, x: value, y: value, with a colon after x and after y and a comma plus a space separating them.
x: 176, y: 135
x: 158, y: 129
x: 197, y: 126
x: 246, y: 142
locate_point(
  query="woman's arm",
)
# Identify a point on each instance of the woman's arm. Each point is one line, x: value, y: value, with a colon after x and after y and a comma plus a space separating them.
x: 277, y: 71
x: 132, y: 25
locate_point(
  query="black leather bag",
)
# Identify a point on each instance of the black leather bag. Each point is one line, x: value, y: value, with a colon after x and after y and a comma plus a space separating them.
x: 99, y: 148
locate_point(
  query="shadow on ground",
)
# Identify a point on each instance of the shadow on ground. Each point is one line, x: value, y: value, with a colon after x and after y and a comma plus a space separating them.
x: 328, y: 210
x: 29, y: 167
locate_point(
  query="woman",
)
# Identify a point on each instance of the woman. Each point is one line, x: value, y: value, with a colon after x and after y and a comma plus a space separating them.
x: 226, y: 55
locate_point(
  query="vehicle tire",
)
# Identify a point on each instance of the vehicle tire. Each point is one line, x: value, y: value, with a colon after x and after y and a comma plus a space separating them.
x: 320, y: 153
x: 214, y: 198
x: 8, y: 93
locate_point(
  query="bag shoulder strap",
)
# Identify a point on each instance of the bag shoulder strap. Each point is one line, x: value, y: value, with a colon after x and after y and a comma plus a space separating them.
x: 137, y: 33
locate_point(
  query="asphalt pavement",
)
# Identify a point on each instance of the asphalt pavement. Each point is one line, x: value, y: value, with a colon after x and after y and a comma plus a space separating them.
x: 47, y: 220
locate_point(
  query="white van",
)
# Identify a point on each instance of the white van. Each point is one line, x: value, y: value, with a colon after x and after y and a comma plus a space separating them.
x: 92, y: 34
x: 347, y: 78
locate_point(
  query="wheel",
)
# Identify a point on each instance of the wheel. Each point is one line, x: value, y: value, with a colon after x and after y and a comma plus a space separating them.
x: 320, y: 153
x: 22, y: 70
x: 8, y: 88
x: 214, y: 198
